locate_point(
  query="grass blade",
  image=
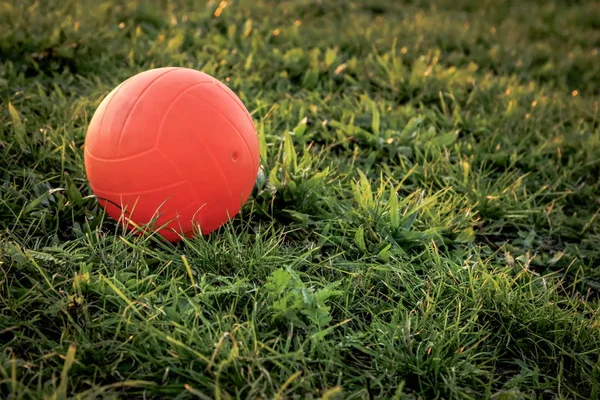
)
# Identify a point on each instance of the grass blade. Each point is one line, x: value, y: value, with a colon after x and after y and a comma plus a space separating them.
x: 20, y: 135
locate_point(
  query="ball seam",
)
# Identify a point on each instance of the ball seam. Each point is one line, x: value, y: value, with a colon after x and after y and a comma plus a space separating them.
x: 137, y: 100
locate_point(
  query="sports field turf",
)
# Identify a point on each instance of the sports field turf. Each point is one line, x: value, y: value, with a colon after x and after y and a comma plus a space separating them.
x: 427, y: 224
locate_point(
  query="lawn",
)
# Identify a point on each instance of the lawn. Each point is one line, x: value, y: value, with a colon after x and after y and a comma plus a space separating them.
x: 426, y: 223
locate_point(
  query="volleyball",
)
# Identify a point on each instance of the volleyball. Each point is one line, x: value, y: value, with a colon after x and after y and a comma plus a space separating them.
x: 173, y: 150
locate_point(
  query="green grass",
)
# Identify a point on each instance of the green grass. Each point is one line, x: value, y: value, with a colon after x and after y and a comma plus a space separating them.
x: 427, y: 226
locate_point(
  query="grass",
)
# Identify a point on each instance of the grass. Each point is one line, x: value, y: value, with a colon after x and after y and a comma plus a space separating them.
x: 427, y: 224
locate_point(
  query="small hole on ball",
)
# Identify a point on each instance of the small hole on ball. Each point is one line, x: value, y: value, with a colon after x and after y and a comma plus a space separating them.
x: 234, y: 157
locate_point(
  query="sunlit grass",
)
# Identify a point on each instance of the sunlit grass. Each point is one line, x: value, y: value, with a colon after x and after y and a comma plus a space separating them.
x: 426, y: 224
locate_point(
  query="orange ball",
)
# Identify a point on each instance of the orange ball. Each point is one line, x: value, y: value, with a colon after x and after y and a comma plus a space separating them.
x: 172, y: 148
